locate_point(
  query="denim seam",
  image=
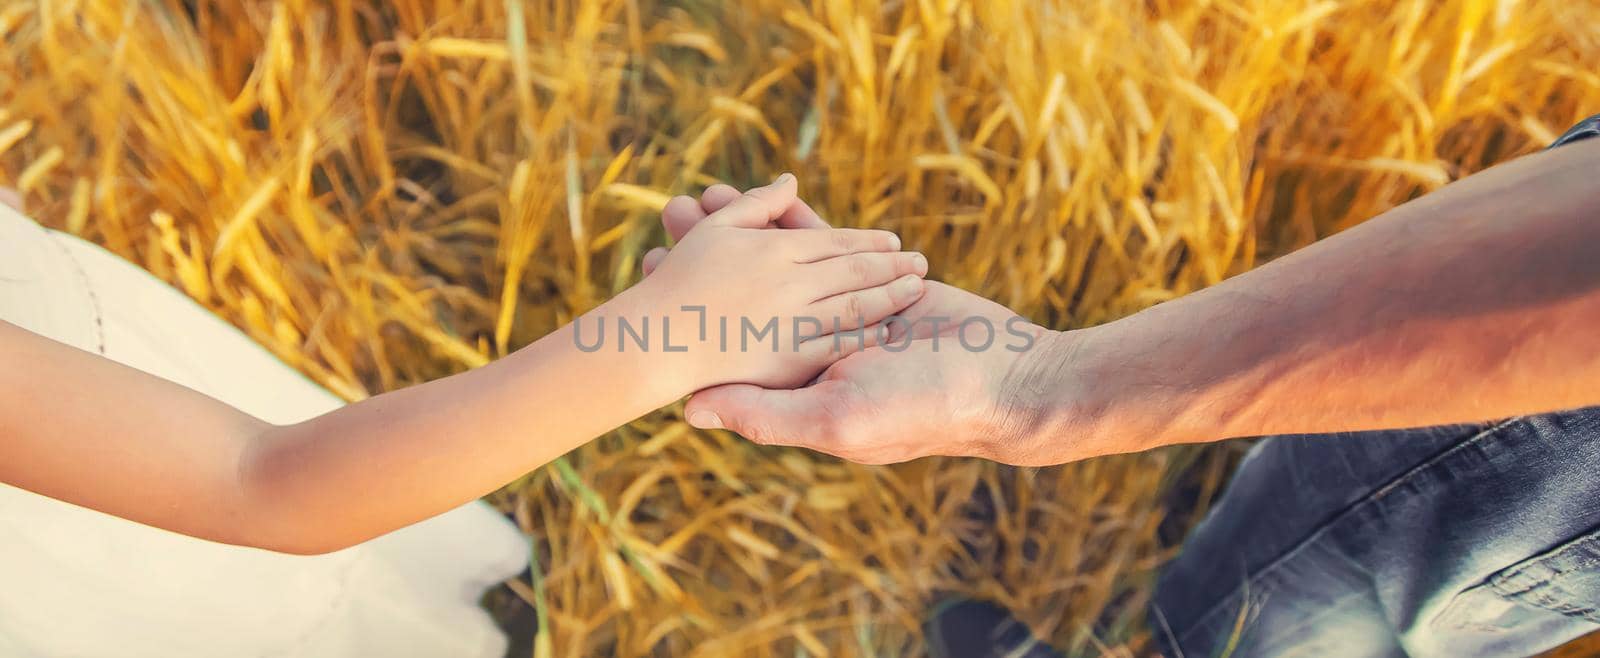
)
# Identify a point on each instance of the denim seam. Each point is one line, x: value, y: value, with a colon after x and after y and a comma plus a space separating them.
x: 1349, y: 510
x: 1519, y: 585
x: 1546, y: 600
x: 1577, y: 565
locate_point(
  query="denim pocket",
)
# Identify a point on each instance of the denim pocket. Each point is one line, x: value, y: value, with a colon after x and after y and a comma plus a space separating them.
x: 1533, y: 604
x: 1565, y: 579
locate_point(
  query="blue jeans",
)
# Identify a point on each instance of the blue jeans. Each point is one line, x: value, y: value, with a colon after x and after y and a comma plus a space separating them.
x: 1473, y: 540
x: 1460, y: 541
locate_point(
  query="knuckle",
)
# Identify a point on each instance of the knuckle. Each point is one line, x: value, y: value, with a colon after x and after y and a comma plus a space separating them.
x: 752, y: 431
x: 854, y: 305
x: 842, y: 240
x: 860, y: 268
x: 771, y: 434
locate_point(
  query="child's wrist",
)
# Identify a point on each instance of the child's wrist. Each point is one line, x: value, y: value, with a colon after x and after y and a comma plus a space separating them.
x: 654, y: 337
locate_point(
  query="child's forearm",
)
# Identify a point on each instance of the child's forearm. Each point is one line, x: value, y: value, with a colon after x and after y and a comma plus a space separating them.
x: 89, y: 431
x: 404, y: 456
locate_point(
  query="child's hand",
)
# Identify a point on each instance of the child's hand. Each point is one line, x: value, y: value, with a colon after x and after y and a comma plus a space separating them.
x: 772, y: 300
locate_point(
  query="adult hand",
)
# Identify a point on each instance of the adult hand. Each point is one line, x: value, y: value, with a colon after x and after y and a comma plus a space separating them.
x: 951, y: 379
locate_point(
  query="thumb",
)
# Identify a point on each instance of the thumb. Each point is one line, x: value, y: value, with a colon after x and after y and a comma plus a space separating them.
x: 759, y: 206
x: 799, y: 417
x: 800, y: 215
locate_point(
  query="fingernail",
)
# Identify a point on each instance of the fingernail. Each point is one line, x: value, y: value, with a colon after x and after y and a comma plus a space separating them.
x: 905, y: 286
x: 920, y: 262
x: 783, y: 178
x: 705, y: 420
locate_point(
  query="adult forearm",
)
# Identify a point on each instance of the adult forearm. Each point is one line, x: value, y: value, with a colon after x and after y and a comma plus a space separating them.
x: 1479, y: 301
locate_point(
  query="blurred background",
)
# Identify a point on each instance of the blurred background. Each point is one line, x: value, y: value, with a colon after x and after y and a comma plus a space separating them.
x: 387, y: 192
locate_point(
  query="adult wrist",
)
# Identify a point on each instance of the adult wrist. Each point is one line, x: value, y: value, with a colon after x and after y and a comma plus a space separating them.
x: 1031, y: 407
x: 1092, y: 392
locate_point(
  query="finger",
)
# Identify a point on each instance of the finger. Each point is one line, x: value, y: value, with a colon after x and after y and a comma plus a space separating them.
x: 680, y: 215
x: 865, y: 307
x: 863, y: 270
x: 759, y: 206
x: 814, y: 244
x: 717, y: 197
x: 652, y: 259
x: 840, y: 342
x: 800, y: 215
x: 799, y: 417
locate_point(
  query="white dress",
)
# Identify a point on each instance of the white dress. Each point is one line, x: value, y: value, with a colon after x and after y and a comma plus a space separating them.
x: 75, y: 582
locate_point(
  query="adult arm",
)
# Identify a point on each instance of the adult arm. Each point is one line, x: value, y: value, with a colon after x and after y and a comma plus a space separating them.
x: 1479, y: 301
x: 1476, y: 302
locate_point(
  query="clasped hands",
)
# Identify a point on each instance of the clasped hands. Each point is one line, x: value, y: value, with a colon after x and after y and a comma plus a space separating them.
x: 923, y: 368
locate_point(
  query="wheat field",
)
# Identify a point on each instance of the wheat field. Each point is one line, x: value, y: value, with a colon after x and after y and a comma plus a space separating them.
x: 386, y: 192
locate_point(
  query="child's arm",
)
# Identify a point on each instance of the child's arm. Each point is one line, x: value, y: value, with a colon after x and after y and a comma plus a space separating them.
x: 90, y: 431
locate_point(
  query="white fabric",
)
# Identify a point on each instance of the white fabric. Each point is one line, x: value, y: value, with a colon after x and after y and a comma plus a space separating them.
x: 75, y: 582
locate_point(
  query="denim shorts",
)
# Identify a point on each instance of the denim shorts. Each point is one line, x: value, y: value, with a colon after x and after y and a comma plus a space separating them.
x: 1459, y: 541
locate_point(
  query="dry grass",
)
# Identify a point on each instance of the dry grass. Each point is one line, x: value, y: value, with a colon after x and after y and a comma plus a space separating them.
x: 388, y: 192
